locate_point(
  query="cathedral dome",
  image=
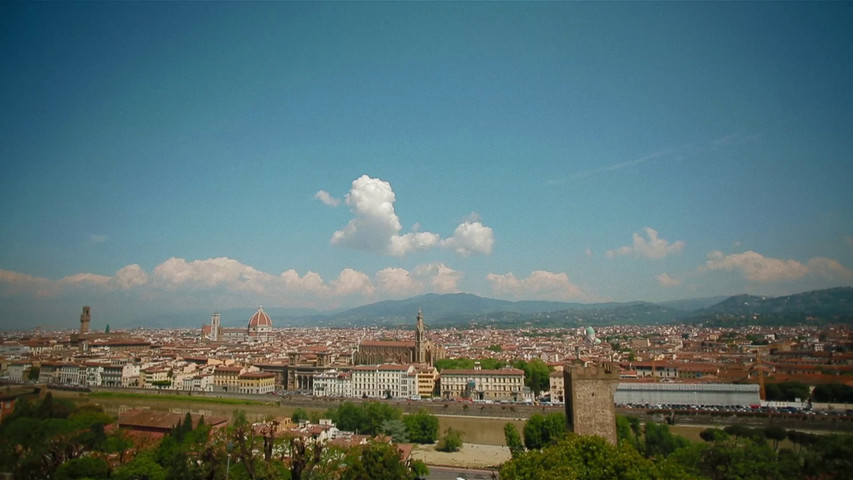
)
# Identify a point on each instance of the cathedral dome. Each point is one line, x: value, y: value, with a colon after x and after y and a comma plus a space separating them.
x: 260, y: 319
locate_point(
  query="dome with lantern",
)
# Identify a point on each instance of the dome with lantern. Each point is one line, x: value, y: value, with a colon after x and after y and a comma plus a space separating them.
x: 260, y: 322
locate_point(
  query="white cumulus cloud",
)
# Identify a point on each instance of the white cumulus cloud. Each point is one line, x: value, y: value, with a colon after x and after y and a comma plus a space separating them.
x: 440, y: 277
x: 14, y: 283
x: 755, y: 267
x: 649, y: 247
x: 471, y: 238
x: 667, y: 280
x: 375, y: 226
x: 351, y: 282
x: 829, y: 268
x: 397, y: 282
x: 540, y: 285
x: 212, y: 272
x: 82, y: 279
x: 326, y: 198
x: 131, y: 276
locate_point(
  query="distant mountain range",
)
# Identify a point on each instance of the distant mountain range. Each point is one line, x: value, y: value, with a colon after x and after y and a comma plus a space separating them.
x: 465, y: 310
x: 462, y: 310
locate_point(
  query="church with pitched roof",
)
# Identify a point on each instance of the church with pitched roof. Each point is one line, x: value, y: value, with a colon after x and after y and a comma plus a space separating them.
x: 422, y: 351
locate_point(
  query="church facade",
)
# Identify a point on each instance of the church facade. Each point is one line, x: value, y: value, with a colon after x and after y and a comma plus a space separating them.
x: 422, y: 351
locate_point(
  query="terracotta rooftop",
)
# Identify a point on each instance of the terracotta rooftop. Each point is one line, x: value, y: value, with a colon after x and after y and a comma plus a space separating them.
x: 143, y: 419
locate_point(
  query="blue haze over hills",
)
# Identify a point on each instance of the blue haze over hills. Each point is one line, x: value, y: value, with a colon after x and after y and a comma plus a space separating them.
x: 465, y: 310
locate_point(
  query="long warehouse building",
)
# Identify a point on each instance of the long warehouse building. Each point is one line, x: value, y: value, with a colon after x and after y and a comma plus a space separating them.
x: 712, y: 394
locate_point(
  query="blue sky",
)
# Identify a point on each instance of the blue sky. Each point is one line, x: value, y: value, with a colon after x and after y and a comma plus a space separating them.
x: 167, y: 157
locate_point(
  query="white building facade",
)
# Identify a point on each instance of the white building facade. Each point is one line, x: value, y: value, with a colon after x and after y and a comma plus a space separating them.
x: 384, y: 381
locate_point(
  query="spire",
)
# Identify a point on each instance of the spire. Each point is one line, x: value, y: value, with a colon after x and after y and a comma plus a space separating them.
x: 419, y: 328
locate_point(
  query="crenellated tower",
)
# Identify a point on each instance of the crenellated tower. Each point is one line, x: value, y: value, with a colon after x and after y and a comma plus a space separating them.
x: 589, y: 399
x: 85, y: 318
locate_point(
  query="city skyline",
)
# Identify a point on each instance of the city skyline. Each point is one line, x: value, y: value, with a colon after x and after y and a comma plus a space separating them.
x: 181, y: 157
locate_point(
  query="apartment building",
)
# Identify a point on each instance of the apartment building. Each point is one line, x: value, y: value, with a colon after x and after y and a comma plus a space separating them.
x: 256, y: 382
x: 479, y: 384
x: 427, y: 381
x: 49, y: 372
x: 18, y: 371
x: 384, y: 381
x: 93, y: 373
x: 72, y: 374
x: 557, y: 386
x: 227, y: 378
x: 152, y: 377
x: 333, y: 383
x: 198, y: 383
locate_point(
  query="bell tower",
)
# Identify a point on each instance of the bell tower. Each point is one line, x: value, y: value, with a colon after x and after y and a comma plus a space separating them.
x: 85, y: 317
x: 420, y: 339
x: 214, y: 327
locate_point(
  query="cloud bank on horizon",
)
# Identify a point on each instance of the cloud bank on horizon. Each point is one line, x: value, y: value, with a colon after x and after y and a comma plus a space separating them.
x: 174, y: 157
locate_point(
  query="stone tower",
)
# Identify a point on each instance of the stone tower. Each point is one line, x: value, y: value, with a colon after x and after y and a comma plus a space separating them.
x: 589, y: 399
x: 214, y: 327
x: 85, y: 317
x: 420, y: 340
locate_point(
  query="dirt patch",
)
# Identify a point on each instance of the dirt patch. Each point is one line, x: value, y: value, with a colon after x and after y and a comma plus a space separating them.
x: 471, y: 455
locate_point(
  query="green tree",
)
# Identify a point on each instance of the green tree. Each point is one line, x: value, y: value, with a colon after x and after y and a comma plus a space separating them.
x: 833, y: 393
x: 636, y: 427
x: 453, y: 364
x: 786, y: 391
x: 576, y: 457
x: 536, y: 374
x: 801, y: 440
x: 299, y: 415
x: 161, y: 384
x: 730, y: 458
x: 187, y: 426
x: 83, y: 468
x: 349, y: 417
x: 828, y: 456
x: 450, y: 442
x: 36, y: 439
x: 419, y: 468
x: 513, y: 439
x: 541, y: 430
x: 33, y: 374
x: 713, y: 434
x: 365, y: 419
x: 468, y: 363
x: 422, y: 426
x: 142, y: 467
x: 378, y: 412
x: 376, y: 461
x: 397, y: 430
x: 743, y: 431
x: 623, y: 431
x: 776, y: 434
x: 660, y: 442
